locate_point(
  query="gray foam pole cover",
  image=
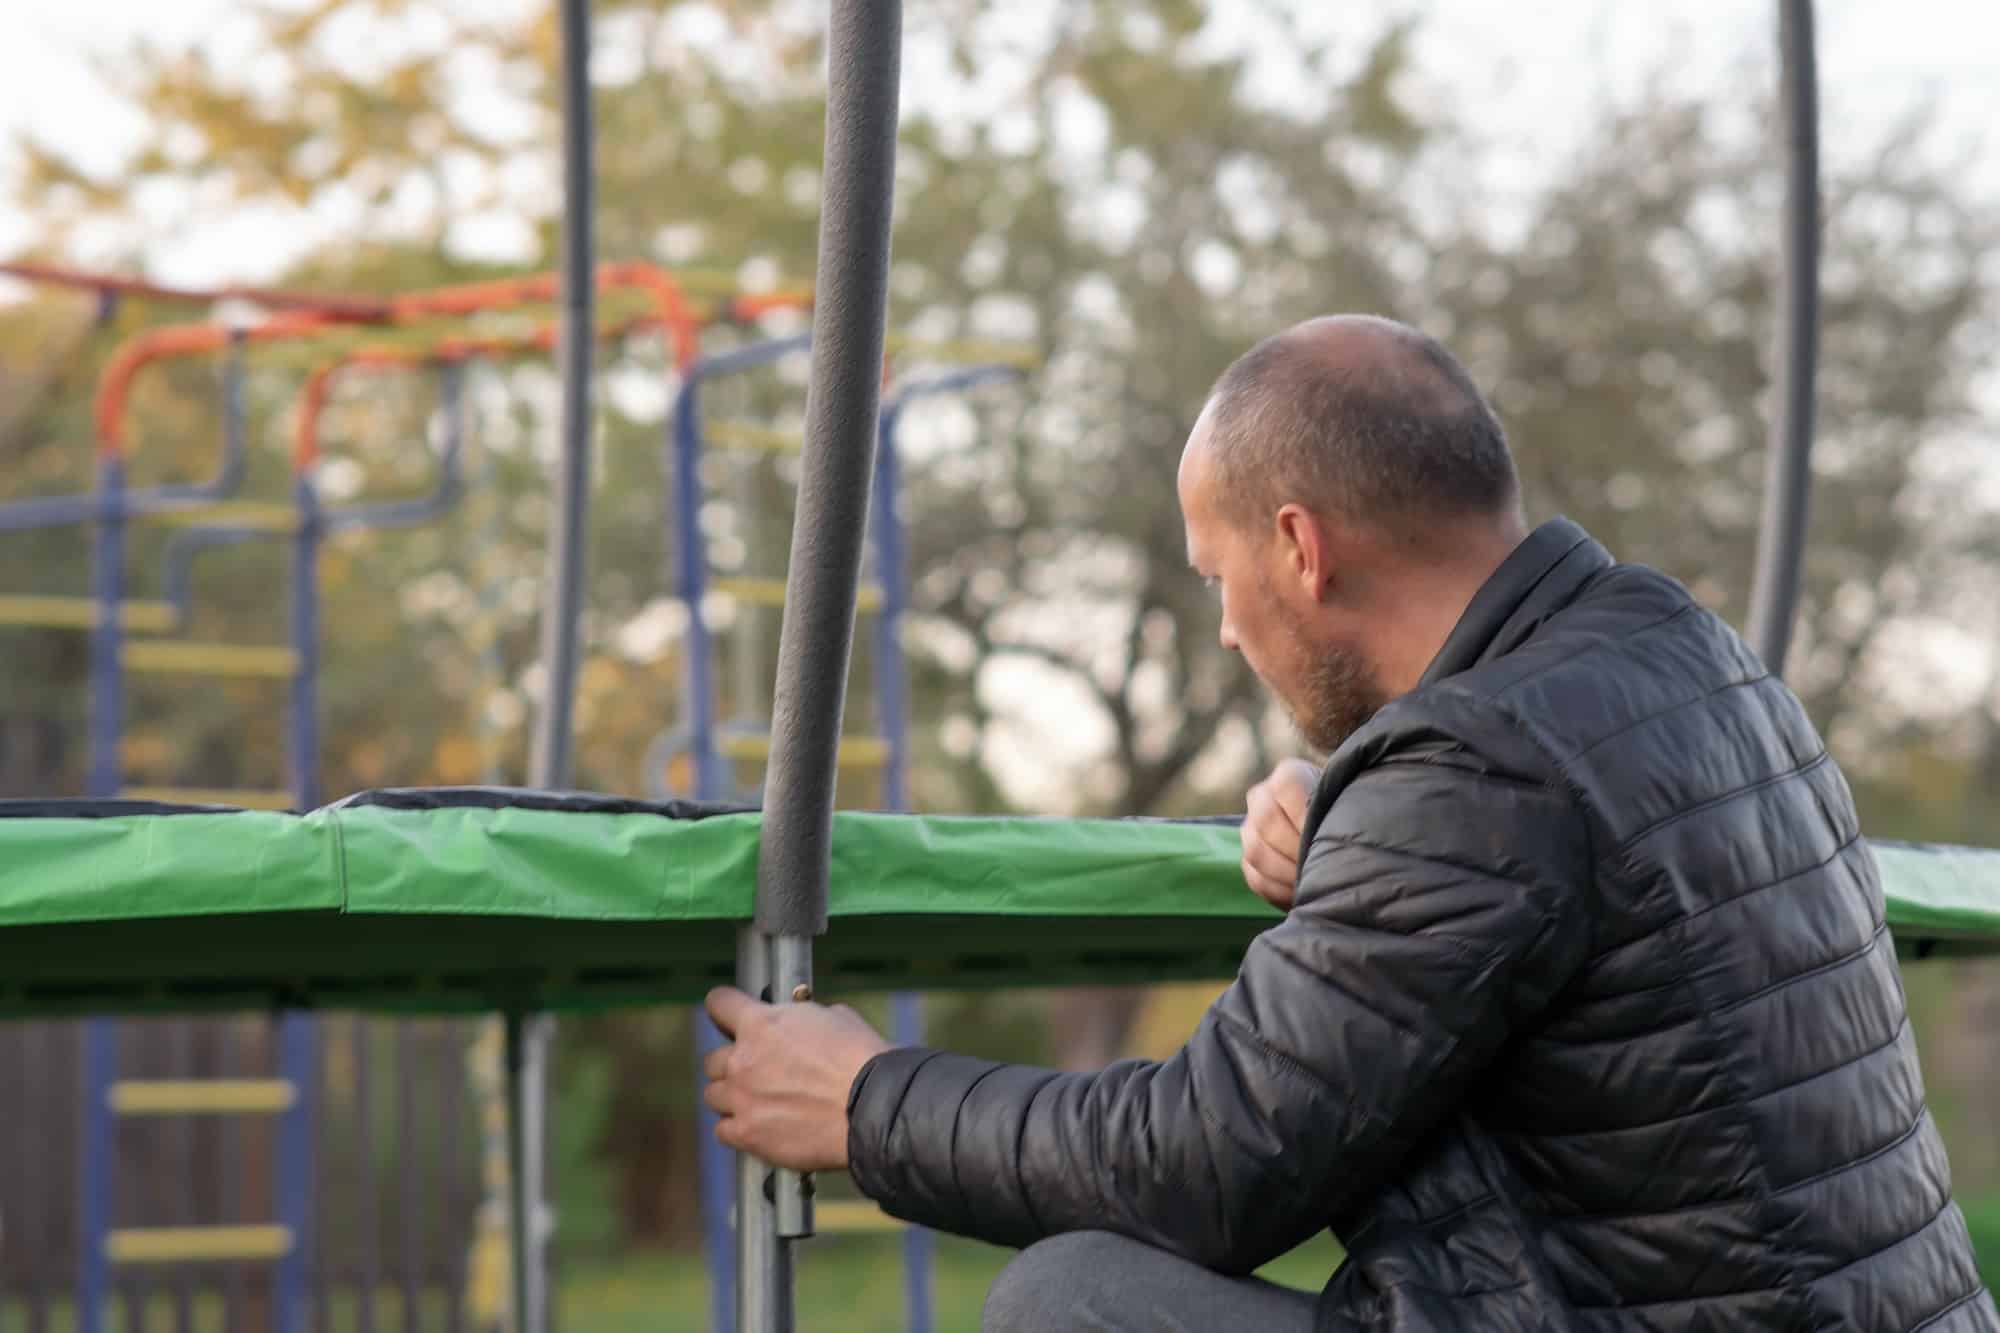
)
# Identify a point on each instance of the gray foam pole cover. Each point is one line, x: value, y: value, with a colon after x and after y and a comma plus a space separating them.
x: 864, y: 68
x: 1774, y: 593
x: 550, y: 764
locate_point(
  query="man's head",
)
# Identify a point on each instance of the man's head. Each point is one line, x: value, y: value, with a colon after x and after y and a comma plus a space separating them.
x: 1347, y: 489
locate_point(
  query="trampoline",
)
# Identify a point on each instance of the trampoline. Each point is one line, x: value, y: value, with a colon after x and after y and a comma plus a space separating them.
x: 487, y: 899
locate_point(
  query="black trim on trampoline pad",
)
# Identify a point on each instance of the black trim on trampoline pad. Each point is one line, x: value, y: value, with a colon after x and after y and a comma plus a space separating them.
x: 84, y: 808
x: 527, y: 798
x: 485, y: 798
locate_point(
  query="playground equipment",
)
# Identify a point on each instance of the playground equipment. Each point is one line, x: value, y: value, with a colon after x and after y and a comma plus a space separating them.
x: 306, y: 524
x: 287, y: 1240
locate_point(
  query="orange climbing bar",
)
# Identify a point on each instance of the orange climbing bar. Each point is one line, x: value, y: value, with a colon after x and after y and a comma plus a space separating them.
x: 334, y: 306
x: 681, y: 320
x: 319, y: 384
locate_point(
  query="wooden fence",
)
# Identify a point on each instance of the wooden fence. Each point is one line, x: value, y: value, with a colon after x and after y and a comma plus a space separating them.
x: 397, y: 1172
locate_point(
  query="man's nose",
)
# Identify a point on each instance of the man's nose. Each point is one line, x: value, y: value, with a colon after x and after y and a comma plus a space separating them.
x: 1228, y: 635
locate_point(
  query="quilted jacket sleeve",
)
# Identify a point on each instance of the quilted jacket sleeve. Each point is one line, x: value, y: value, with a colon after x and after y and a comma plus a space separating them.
x: 1440, y: 905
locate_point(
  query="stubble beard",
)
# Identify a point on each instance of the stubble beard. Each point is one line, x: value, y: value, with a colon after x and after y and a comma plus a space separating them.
x: 1337, y: 694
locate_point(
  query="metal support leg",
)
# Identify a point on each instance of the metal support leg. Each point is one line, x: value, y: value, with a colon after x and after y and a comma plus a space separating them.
x: 524, y: 1174
x: 100, y: 1067
x: 791, y: 980
x: 763, y: 1262
x: 298, y: 1064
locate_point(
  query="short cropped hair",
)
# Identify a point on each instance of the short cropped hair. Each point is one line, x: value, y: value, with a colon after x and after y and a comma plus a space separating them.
x: 1404, y: 441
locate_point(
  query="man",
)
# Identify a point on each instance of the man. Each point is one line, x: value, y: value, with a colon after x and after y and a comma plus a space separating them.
x: 1582, y: 1014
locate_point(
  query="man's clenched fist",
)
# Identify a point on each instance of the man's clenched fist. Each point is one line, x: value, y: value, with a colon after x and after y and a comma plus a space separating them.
x: 1273, y: 817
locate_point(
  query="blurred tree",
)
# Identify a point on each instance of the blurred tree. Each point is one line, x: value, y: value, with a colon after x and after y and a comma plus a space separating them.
x: 1116, y: 184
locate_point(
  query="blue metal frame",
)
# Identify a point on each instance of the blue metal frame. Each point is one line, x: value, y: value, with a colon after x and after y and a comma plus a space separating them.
x: 298, y: 1040
x: 58, y: 511
x: 699, y: 735
x: 716, y: 1172
x: 906, y: 1015
x: 100, y: 1035
x: 177, y: 574
x: 107, y: 702
x: 93, y: 1279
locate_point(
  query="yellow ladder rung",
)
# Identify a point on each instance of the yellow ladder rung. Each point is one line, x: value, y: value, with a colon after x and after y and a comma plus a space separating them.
x: 751, y: 436
x: 195, y: 1245
x: 246, y: 798
x: 852, y: 1217
x: 203, y: 1096
x: 81, y: 613
x: 854, y: 752
x: 210, y: 659
x: 273, y: 518
x: 771, y: 592
x: 965, y: 351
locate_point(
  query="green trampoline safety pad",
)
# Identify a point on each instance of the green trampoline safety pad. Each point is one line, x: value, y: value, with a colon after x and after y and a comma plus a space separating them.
x: 480, y: 899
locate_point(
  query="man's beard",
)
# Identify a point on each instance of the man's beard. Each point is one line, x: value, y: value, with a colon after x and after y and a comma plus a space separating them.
x: 1337, y: 694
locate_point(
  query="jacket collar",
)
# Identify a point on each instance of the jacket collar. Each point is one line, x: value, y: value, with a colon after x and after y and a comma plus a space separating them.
x: 1538, y: 578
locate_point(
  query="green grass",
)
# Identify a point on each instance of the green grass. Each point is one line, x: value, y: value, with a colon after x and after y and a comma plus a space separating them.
x: 845, y: 1285
x: 849, y: 1285
x: 855, y: 1284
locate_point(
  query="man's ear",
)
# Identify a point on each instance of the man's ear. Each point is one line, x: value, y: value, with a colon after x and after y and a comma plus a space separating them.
x: 1302, y: 548
x: 1326, y: 556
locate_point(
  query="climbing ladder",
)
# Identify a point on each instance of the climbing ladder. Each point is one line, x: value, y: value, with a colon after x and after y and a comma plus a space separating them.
x: 715, y: 749
x: 292, y: 1095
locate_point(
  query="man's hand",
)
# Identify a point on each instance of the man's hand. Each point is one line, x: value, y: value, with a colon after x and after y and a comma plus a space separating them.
x: 781, y: 1087
x: 1274, y: 815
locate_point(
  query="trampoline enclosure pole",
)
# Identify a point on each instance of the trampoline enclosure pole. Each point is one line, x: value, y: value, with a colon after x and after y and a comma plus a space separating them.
x: 551, y: 764
x: 1774, y: 595
x: 864, y: 65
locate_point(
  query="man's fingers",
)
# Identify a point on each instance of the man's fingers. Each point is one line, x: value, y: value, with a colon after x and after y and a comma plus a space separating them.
x: 1290, y: 799
x: 1271, y: 891
x: 715, y: 1065
x: 1272, y: 862
x: 1257, y: 831
x: 729, y: 1007
x: 720, y: 1098
x: 1280, y: 856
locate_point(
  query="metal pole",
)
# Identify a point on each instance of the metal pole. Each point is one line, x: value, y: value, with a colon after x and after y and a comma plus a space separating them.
x: 684, y: 520
x: 906, y: 1013
x: 552, y: 762
x: 524, y: 1171
x: 100, y: 1035
x: 305, y: 644
x: 94, y: 1185
x: 691, y: 578
x: 298, y: 1033
x: 1788, y: 479
x: 864, y: 67
x: 235, y: 430
x: 107, y: 684
x: 763, y: 1261
x: 298, y: 1064
x: 681, y: 475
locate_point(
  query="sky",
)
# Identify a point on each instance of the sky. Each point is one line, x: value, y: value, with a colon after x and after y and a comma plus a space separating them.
x: 1527, y: 74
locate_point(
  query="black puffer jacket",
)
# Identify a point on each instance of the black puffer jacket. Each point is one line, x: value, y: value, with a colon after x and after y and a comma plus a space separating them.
x: 1585, y: 1018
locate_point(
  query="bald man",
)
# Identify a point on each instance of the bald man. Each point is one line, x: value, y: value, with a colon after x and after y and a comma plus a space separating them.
x: 1581, y: 1015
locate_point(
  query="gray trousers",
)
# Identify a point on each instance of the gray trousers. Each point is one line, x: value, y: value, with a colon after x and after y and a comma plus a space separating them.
x: 1095, y: 1282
